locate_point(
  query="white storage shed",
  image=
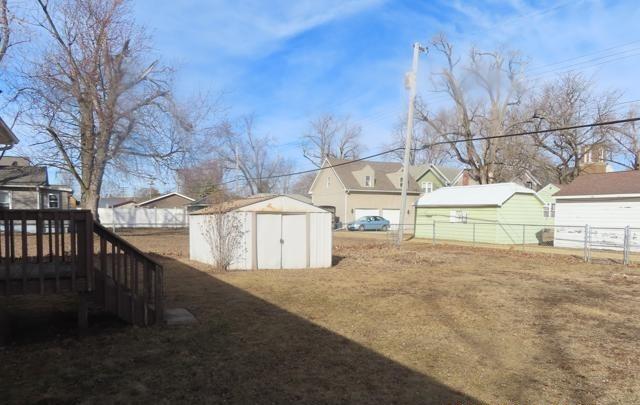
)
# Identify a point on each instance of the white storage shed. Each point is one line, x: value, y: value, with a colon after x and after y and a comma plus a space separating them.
x: 267, y: 232
x: 606, y: 202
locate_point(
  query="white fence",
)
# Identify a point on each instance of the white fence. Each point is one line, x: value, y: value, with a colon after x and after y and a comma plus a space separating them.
x: 137, y: 217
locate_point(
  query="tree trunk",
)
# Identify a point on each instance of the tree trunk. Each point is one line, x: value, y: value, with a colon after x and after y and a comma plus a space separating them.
x: 89, y: 200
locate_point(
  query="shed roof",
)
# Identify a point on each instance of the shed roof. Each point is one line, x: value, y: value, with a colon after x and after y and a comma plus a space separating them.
x: 244, y: 203
x: 473, y: 196
x: 601, y: 184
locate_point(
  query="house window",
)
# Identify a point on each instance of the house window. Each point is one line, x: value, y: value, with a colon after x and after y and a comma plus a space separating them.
x: 367, y: 181
x: 529, y: 184
x: 53, y: 200
x: 550, y: 210
x: 427, y: 186
x: 5, y: 200
x: 328, y: 181
x: 400, y: 181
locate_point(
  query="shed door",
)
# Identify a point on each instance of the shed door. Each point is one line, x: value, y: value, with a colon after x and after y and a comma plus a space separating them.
x: 268, y: 241
x: 294, y: 241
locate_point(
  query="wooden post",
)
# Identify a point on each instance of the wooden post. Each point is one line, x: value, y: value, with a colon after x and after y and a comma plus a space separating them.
x: 159, y: 298
x: 25, y: 252
x: 39, y: 223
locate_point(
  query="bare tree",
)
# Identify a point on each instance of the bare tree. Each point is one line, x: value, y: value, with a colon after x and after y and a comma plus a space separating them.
x: 200, y: 179
x: 626, y: 143
x: 223, y: 232
x: 5, y: 29
x: 241, y: 151
x: 95, y: 98
x: 146, y: 193
x: 571, y: 100
x: 302, y: 183
x: 424, y: 135
x: 329, y: 136
x: 485, y: 90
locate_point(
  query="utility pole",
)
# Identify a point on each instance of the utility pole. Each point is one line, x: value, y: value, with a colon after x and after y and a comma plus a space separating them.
x: 410, y: 83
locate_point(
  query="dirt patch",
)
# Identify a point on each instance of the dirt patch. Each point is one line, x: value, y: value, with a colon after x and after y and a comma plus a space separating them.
x: 416, y: 324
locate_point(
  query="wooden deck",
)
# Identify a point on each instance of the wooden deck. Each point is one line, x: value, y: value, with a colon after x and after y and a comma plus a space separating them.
x: 62, y: 252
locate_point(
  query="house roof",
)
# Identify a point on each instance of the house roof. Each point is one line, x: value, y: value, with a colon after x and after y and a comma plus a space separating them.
x: 602, y: 184
x: 15, y: 161
x: 160, y: 197
x: 7, y: 137
x: 344, y: 170
x: 23, y: 175
x: 473, y: 196
x: 446, y: 174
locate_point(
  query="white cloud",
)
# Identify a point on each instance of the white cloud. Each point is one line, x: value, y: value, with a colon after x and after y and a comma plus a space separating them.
x: 246, y: 27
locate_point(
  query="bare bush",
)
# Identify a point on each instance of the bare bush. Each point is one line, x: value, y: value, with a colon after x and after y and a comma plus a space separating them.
x: 223, y: 233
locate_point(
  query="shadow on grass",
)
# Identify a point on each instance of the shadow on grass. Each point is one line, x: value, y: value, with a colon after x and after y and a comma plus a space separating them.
x: 243, y: 350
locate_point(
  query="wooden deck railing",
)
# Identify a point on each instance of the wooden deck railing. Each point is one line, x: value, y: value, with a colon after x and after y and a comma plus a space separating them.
x: 46, y: 251
x: 65, y: 251
x: 128, y: 282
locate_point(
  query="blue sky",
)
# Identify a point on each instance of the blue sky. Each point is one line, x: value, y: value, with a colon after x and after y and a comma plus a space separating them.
x: 289, y: 61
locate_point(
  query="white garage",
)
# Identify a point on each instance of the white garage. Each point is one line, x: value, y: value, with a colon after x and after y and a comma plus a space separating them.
x: 393, y: 216
x: 262, y: 232
x: 607, y: 204
x: 364, y: 212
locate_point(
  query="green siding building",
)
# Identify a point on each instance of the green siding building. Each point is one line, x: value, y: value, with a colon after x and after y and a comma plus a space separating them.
x: 504, y: 213
x: 546, y: 195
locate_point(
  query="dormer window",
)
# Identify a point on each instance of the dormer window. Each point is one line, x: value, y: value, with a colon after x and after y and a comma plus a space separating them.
x: 400, y: 181
x: 367, y: 181
x: 427, y: 186
x: 328, y: 181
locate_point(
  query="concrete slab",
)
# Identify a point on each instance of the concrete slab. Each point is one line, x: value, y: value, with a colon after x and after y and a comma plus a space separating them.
x: 178, y: 317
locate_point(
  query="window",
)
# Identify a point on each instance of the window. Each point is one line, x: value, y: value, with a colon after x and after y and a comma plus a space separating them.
x: 328, y: 181
x: 427, y: 186
x: 458, y: 217
x: 5, y: 200
x: 53, y: 200
x: 529, y: 184
x: 549, y: 210
x: 400, y: 181
x: 367, y: 181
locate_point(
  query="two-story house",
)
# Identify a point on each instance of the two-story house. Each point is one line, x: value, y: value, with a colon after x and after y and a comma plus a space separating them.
x: 354, y: 190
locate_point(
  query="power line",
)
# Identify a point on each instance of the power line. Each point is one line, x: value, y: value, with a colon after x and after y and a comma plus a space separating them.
x: 430, y: 145
x: 540, y: 131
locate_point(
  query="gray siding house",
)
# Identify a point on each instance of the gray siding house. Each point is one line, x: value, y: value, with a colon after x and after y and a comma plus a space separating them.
x: 24, y: 186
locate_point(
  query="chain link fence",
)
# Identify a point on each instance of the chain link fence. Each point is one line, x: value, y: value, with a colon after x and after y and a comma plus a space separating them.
x: 615, y: 243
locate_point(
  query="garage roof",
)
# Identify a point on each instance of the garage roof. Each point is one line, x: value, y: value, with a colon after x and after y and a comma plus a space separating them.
x: 602, y: 184
x: 473, y: 196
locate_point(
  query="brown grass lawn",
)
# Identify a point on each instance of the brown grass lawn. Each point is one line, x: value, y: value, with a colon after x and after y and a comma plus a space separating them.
x: 421, y: 324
